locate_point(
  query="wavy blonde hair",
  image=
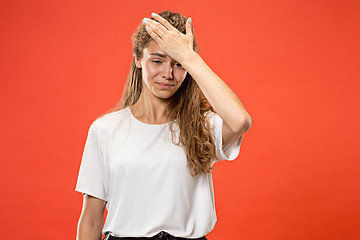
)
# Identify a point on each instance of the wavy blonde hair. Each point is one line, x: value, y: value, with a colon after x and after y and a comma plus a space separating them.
x: 188, y: 105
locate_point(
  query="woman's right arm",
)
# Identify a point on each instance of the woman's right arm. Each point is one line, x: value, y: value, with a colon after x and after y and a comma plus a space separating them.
x: 91, y: 219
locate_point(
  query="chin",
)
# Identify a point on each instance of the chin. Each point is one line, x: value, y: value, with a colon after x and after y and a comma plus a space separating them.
x: 164, y: 95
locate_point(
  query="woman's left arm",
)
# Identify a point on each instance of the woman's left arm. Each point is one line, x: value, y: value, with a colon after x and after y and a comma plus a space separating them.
x: 225, y: 102
x: 179, y: 46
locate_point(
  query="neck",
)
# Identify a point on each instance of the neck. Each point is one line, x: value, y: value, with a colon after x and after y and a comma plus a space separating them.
x: 150, y: 108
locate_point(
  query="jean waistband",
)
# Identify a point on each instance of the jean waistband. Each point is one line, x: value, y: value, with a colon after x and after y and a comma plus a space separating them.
x: 160, y: 236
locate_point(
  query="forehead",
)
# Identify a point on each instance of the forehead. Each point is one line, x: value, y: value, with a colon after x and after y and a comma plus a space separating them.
x: 153, y: 47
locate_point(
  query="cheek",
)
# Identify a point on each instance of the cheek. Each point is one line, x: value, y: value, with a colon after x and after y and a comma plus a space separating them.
x: 150, y: 71
x: 181, y: 75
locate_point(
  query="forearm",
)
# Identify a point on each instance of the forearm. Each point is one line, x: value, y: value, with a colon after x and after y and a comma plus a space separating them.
x: 89, y: 230
x: 221, y: 97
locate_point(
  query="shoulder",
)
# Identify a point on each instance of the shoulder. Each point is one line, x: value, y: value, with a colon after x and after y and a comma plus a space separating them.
x: 212, y: 117
x: 212, y: 120
x: 109, y: 121
x: 210, y: 114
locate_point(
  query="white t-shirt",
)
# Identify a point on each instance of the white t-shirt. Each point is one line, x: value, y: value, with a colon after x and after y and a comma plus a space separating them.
x: 144, y: 177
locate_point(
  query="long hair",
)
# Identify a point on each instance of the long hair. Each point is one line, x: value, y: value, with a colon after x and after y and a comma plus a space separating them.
x: 187, y: 106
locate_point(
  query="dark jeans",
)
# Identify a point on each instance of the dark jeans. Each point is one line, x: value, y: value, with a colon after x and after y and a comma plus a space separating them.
x: 160, y: 236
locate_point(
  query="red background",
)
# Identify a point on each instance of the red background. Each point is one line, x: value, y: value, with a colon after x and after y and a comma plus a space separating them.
x: 293, y: 64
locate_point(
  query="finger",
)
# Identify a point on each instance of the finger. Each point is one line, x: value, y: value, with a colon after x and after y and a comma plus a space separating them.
x: 153, y: 34
x: 163, y: 21
x: 157, y: 27
x: 154, y: 27
x: 189, y: 27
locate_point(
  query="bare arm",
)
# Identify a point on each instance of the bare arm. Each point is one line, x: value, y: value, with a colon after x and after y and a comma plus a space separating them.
x: 179, y: 46
x: 224, y: 101
x: 91, y: 218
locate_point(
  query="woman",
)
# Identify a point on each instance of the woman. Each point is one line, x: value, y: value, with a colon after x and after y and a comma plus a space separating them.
x: 149, y: 160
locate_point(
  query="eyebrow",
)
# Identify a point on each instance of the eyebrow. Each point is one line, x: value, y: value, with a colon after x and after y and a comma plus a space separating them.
x: 158, y: 54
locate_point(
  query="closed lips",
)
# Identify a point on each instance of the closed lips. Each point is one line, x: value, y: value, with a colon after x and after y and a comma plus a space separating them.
x: 165, y: 84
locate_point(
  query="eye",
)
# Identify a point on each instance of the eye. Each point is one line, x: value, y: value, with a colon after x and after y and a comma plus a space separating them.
x: 156, y: 61
x: 178, y: 64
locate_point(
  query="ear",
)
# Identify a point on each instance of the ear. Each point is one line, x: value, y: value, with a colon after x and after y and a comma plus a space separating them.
x: 137, y: 62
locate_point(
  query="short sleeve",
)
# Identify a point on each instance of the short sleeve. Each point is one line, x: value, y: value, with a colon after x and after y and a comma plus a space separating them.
x: 92, y: 178
x: 223, y: 152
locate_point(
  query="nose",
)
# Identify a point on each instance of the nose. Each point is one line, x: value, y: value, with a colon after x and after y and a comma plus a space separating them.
x: 168, y: 71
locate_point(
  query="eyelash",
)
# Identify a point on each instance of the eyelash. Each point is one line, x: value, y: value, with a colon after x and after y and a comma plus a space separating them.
x: 157, y: 61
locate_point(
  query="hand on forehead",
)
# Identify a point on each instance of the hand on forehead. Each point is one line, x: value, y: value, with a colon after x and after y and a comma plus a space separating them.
x: 174, y: 43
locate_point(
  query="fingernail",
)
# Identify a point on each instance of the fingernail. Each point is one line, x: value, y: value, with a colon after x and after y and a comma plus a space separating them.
x: 190, y: 20
x: 144, y: 20
x: 153, y: 14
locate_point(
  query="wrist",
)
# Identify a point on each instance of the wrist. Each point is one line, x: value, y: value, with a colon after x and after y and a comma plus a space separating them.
x: 189, y: 58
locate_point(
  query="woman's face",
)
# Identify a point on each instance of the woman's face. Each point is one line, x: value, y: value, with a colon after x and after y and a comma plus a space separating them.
x: 161, y: 74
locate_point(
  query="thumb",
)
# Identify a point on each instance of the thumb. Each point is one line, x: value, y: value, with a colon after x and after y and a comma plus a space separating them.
x: 189, y: 27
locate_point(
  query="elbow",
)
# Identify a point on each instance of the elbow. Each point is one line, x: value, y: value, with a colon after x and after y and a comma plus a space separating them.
x: 244, y: 124
x: 248, y: 123
x: 89, y: 229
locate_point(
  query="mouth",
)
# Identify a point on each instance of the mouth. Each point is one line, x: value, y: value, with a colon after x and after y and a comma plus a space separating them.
x: 164, y: 85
